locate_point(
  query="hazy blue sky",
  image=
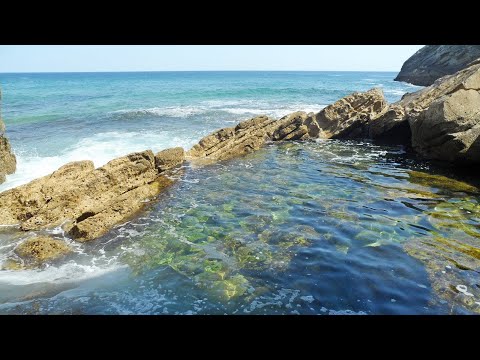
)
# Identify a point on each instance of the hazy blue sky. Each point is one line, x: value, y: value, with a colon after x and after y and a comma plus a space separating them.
x: 48, y: 58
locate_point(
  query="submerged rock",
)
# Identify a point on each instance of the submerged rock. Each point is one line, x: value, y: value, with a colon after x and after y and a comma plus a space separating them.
x: 441, y: 182
x: 434, y: 61
x: 42, y: 248
x: 85, y: 201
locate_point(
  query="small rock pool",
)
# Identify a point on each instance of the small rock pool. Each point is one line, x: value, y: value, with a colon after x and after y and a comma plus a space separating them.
x: 326, y: 227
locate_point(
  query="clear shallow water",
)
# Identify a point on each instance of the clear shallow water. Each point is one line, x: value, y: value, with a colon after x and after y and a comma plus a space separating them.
x: 313, y: 228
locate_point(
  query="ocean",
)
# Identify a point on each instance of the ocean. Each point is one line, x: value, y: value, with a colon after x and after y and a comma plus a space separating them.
x: 323, y: 227
x: 55, y: 118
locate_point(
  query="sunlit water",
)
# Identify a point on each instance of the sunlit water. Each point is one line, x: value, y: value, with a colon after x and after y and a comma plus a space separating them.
x: 295, y: 228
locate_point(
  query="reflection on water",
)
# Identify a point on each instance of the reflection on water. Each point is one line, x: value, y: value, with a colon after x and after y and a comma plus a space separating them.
x: 315, y: 228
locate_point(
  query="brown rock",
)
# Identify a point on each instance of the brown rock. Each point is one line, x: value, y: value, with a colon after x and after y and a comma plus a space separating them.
x: 449, y: 129
x: 466, y: 79
x: 169, y: 158
x: 292, y: 127
x: 391, y: 127
x: 349, y: 116
x: 8, y: 161
x: 42, y: 248
x: 247, y: 136
x: 77, y: 196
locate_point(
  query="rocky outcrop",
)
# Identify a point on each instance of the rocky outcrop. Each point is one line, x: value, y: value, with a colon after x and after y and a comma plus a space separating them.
x: 169, y: 158
x: 252, y: 134
x: 296, y: 126
x: 449, y: 129
x: 247, y: 136
x: 391, y: 127
x: 8, y: 161
x: 42, y: 248
x: 434, y: 61
x: 349, y: 117
x: 445, y: 118
x: 85, y: 201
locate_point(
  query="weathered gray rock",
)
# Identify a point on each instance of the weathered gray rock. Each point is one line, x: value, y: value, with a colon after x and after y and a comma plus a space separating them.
x: 85, y: 201
x: 468, y: 78
x: 349, y: 117
x: 169, y: 158
x: 434, y: 61
x: 449, y: 129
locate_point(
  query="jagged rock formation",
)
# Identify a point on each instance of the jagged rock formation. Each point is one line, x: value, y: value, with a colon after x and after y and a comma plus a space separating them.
x: 85, y: 201
x: 226, y: 143
x: 434, y: 61
x: 8, y: 161
x: 348, y: 118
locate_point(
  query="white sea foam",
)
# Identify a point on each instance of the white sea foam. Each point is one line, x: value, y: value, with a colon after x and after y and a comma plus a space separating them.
x: 236, y: 107
x: 68, y: 272
x: 172, y: 111
x: 99, y: 148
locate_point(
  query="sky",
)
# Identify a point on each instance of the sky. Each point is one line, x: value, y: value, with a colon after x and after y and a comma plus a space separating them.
x: 73, y: 58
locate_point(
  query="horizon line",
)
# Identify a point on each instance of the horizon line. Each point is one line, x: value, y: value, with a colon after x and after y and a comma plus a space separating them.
x: 148, y: 71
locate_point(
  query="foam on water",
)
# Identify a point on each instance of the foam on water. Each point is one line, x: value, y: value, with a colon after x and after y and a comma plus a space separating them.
x: 100, y: 148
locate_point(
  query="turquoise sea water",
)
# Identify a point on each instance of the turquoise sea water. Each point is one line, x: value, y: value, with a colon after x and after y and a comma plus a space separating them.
x: 295, y: 228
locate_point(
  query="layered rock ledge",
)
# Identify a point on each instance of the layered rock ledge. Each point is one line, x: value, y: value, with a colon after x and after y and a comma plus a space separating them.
x: 86, y: 202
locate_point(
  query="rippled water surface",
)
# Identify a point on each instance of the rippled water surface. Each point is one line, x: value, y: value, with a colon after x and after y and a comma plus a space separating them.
x: 324, y: 227
x: 314, y: 228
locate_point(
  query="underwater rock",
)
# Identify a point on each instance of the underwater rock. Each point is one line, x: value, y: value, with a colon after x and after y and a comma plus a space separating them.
x: 348, y: 117
x: 169, y: 158
x: 450, y: 262
x: 85, y: 201
x: 441, y: 182
x: 42, y: 248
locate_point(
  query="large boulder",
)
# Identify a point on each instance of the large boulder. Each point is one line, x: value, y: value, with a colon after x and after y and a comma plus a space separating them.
x: 8, y: 161
x: 434, y: 61
x: 348, y: 118
x: 449, y: 129
x: 85, y: 201
x: 396, y: 124
x: 468, y: 78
